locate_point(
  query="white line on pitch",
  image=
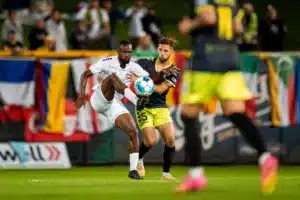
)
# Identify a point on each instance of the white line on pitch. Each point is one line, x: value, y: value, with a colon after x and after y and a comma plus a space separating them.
x: 120, y: 181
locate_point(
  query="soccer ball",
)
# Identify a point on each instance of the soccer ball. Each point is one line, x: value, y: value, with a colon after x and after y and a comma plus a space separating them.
x: 144, y: 86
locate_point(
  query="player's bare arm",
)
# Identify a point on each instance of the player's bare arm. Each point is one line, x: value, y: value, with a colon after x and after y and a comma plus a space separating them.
x: 162, y: 87
x: 206, y: 17
x: 83, y: 81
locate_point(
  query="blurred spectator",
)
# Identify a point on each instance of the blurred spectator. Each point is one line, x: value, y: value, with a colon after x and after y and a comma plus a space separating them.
x: 248, y: 39
x: 98, y: 26
x: 12, y: 24
x: 78, y: 37
x: 49, y: 44
x: 37, y: 35
x: 145, y: 44
x: 44, y: 8
x: 135, y: 15
x: 115, y: 15
x: 57, y: 30
x: 12, y: 43
x: 272, y: 31
x: 152, y: 25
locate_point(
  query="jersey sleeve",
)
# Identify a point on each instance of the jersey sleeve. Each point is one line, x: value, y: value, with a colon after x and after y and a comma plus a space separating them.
x: 99, y: 66
x: 138, y: 70
x: 172, y: 79
x: 143, y: 63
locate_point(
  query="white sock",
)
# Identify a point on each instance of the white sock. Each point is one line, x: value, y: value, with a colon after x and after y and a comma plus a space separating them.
x: 133, y: 161
x: 141, y: 160
x: 263, y: 158
x: 165, y: 173
x: 130, y: 96
x: 196, y: 172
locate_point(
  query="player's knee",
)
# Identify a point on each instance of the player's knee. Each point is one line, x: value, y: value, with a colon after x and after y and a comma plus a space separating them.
x: 170, y: 142
x: 231, y: 107
x: 113, y: 77
x: 108, y: 82
x: 149, y: 142
x: 132, y: 133
x: 190, y: 110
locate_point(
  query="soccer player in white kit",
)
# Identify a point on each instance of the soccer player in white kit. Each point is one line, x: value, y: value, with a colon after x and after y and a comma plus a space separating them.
x: 107, y: 95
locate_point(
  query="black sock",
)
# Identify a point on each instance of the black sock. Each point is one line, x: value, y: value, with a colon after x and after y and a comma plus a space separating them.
x: 168, y: 158
x: 193, y: 142
x: 143, y: 150
x: 249, y: 131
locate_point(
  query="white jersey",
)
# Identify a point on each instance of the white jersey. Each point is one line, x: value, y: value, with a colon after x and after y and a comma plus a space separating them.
x: 107, y: 66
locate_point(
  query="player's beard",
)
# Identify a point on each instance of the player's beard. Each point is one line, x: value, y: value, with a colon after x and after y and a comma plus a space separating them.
x: 163, y: 60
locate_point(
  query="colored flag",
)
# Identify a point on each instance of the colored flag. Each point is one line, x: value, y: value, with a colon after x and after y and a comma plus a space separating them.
x: 297, y: 90
x: 17, y: 92
x: 249, y: 65
x: 52, y: 121
x: 17, y: 82
x: 281, y: 79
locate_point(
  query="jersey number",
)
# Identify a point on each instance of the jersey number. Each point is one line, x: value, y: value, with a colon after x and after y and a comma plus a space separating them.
x: 142, y: 117
x: 225, y: 22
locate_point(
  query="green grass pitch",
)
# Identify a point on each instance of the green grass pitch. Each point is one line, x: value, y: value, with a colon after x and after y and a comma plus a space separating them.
x: 110, y: 183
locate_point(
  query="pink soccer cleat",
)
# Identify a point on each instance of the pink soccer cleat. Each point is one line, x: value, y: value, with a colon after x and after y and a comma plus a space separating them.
x: 191, y: 184
x: 269, y: 170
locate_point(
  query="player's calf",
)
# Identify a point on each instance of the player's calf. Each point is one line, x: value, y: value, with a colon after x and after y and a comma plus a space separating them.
x: 126, y: 123
x: 150, y: 139
x: 235, y: 111
x: 167, y: 133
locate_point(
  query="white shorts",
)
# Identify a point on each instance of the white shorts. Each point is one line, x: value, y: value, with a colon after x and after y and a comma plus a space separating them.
x: 110, y: 109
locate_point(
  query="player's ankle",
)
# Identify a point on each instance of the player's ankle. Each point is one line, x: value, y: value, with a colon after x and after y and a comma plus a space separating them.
x: 166, y: 174
x: 141, y: 160
x: 196, y: 172
x: 262, y: 158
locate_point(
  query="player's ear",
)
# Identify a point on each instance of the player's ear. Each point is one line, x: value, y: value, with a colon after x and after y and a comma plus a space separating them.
x: 172, y: 50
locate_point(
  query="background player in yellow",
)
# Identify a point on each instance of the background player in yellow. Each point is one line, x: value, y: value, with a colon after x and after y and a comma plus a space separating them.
x: 156, y: 115
x: 215, y: 71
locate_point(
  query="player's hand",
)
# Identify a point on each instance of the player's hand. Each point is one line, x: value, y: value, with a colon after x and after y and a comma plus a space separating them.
x: 131, y: 77
x: 80, y: 102
x: 169, y: 71
x: 185, y: 25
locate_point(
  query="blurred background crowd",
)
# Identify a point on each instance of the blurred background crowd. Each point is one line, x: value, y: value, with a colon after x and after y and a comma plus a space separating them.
x: 94, y: 26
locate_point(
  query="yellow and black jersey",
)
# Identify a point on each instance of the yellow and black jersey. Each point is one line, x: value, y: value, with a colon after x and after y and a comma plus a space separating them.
x: 214, y: 47
x: 157, y: 100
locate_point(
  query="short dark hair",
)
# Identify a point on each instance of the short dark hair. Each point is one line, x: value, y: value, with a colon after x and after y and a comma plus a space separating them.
x: 169, y: 41
x: 10, y: 12
x: 124, y: 42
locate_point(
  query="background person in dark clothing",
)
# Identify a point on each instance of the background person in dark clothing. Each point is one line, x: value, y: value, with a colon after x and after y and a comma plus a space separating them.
x: 37, y: 35
x: 78, y: 37
x: 12, y: 44
x: 152, y: 25
x: 272, y: 31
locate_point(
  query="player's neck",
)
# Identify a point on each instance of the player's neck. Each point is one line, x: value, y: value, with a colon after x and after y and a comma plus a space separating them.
x: 122, y: 64
x: 161, y: 65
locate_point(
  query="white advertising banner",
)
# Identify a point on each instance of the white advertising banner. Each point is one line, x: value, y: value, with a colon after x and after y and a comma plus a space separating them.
x: 22, y: 155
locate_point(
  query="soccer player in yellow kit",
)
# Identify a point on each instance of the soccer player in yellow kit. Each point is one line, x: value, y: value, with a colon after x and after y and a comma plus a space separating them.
x: 215, y: 72
x: 156, y: 115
